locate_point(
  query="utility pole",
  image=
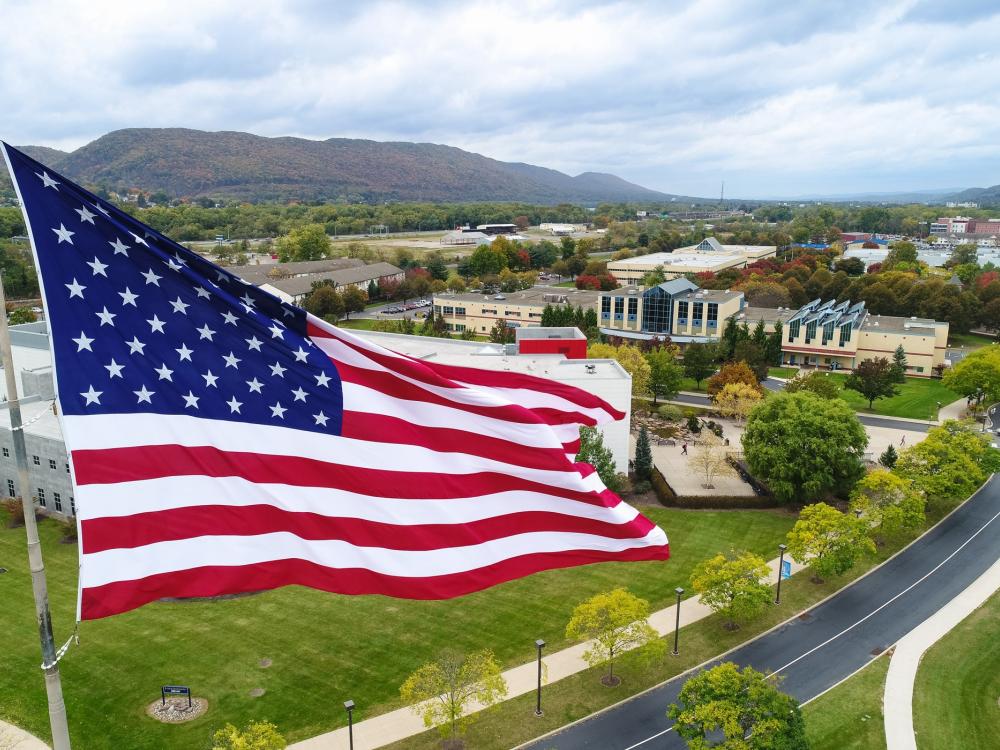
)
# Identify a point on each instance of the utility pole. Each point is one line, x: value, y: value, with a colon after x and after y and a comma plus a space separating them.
x: 50, y: 663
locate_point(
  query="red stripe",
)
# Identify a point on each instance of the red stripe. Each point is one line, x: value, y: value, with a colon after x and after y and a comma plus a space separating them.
x: 380, y: 428
x: 119, y: 532
x: 391, y: 384
x: 156, y: 461
x: 121, y: 596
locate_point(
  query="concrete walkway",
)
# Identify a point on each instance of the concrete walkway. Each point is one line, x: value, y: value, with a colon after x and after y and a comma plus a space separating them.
x: 898, y: 700
x: 387, y: 728
x: 15, y: 738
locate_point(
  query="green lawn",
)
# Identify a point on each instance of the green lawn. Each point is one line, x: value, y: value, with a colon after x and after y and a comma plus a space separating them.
x: 688, y: 384
x: 782, y: 372
x: 917, y: 398
x: 958, y: 685
x: 850, y: 717
x: 362, y: 324
x: 566, y: 283
x: 325, y: 648
x: 969, y: 340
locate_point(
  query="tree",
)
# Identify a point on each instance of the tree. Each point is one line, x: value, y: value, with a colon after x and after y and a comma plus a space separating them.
x: 699, y: 361
x: 901, y: 253
x: 966, y: 253
x: 803, y: 446
x: 654, y: 277
x: 950, y: 463
x: 734, y: 372
x: 257, y: 735
x: 630, y: 358
x: 309, y: 242
x: 354, y: 300
x: 665, y: 375
x: 873, y: 379
x: 643, y: 456
x: 898, y: 365
x: 745, y: 706
x: 485, y: 261
x: 747, y: 350
x: 827, y: 540
x: 851, y: 266
x: 592, y: 451
x: 616, y: 621
x: 977, y: 376
x: 501, y: 333
x: 325, y: 302
x: 889, y: 456
x: 709, y: 459
x: 734, y: 586
x: 436, y: 267
x: 440, y: 692
x: 21, y: 315
x: 888, y: 502
x: 815, y: 382
x: 735, y: 400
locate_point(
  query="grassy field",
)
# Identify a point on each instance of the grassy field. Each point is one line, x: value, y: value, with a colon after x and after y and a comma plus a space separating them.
x: 782, y: 372
x: 917, y: 399
x: 850, y: 717
x: 324, y: 648
x: 958, y: 685
x: 361, y: 324
x: 969, y: 340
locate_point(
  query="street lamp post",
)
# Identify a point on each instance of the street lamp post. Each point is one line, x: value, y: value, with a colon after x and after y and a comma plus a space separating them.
x: 677, y: 619
x: 349, y: 705
x: 540, y: 644
x: 781, y: 565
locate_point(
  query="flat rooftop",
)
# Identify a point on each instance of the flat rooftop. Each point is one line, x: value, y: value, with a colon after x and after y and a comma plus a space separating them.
x: 709, y: 295
x: 46, y: 424
x: 893, y: 324
x: 690, y: 260
x: 770, y: 315
x: 539, y: 295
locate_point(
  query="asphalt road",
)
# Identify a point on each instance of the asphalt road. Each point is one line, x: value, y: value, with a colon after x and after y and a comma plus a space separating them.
x: 865, y: 419
x: 832, y: 640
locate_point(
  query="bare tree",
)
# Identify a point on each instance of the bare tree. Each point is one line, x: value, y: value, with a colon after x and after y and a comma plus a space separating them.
x: 709, y: 459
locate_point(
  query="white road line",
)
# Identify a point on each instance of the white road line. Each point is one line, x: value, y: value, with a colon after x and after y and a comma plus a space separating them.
x: 851, y: 627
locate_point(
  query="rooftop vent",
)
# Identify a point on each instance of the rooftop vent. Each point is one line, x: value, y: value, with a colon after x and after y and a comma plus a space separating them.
x: 591, y: 369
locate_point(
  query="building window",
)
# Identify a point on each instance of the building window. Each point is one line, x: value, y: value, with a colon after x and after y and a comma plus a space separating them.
x: 459, y: 327
x: 52, y: 464
x: 619, y: 308
x: 793, y: 330
x: 36, y: 461
x: 696, y: 313
x: 57, y: 502
x: 11, y: 492
x: 437, y: 309
x: 633, y: 308
x: 845, y: 334
x: 810, y: 331
x: 449, y: 310
x: 460, y: 311
x: 920, y: 369
x: 67, y: 468
x: 713, y: 314
x: 827, y: 332
x: 72, y: 506
x: 41, y: 497
x: 682, y: 312
x: 6, y: 452
x: 605, y: 307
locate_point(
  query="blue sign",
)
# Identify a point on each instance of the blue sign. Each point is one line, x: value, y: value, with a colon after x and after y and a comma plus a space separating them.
x: 786, y: 569
x: 175, y: 690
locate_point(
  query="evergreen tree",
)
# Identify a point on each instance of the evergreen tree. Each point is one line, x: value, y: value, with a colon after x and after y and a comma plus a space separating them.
x: 548, y: 316
x: 730, y: 337
x: 643, y: 456
x: 899, y: 364
x: 373, y: 290
x: 889, y: 457
x: 774, y: 345
x: 759, y: 337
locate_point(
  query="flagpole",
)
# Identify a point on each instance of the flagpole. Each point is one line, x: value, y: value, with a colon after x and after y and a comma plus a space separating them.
x: 50, y: 664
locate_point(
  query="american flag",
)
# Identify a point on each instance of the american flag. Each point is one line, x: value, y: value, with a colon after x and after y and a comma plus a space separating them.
x: 224, y: 441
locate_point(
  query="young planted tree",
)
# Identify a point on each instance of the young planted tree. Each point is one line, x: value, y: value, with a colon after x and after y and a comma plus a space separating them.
x: 709, y: 460
x: 665, y: 374
x: 745, y: 706
x: 643, y: 456
x: 733, y: 585
x: 616, y: 621
x: 899, y: 364
x: 441, y: 692
x: 873, y: 379
x: 889, y: 456
x: 501, y: 333
x: 887, y: 502
x: 827, y: 540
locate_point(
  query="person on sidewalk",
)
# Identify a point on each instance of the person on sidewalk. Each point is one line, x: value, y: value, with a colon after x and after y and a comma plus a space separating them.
x: 684, y: 449
x: 902, y: 440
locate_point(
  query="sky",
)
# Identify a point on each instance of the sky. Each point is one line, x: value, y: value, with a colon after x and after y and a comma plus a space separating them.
x: 774, y: 98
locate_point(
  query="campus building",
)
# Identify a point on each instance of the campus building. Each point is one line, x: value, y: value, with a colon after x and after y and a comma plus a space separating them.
x: 479, y: 313
x: 707, y: 255
x: 294, y: 289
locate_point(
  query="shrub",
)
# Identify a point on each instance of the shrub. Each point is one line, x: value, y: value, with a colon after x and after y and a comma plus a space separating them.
x: 670, y: 412
x: 15, y: 513
x: 693, y: 424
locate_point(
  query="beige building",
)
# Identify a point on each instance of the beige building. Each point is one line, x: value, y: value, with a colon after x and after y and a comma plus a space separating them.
x: 712, y: 245
x: 707, y: 255
x: 294, y: 289
x: 479, y: 312
x: 838, y: 336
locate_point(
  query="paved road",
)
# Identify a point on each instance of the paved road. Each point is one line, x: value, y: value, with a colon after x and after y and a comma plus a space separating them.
x: 833, y: 639
x: 865, y: 419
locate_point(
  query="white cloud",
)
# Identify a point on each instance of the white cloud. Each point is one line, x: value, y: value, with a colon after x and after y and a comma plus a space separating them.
x: 773, y: 98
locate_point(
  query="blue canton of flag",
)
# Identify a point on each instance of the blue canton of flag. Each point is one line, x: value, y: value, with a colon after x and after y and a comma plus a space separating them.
x: 141, y: 324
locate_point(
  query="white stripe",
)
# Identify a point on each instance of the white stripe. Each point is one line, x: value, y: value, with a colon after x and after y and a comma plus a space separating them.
x: 111, y: 431
x: 535, y: 399
x: 168, y: 493
x: 108, y: 566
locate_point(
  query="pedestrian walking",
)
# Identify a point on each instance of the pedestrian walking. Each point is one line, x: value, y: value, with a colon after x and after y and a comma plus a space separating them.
x: 902, y: 440
x: 684, y: 449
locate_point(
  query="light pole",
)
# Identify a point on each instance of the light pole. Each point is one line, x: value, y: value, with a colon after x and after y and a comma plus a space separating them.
x: 781, y: 565
x: 540, y: 644
x: 677, y: 619
x: 349, y: 705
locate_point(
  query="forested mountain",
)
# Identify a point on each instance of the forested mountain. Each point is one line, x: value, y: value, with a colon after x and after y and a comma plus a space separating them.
x: 983, y: 196
x: 189, y: 163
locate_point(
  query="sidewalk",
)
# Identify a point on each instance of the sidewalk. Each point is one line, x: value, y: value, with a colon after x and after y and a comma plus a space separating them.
x: 387, y: 728
x: 898, y: 699
x: 15, y: 738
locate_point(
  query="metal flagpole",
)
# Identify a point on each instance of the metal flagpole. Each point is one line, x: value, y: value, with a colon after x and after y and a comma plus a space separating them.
x: 50, y: 664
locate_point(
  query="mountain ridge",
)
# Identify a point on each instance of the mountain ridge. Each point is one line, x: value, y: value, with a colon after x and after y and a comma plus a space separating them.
x: 190, y: 163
